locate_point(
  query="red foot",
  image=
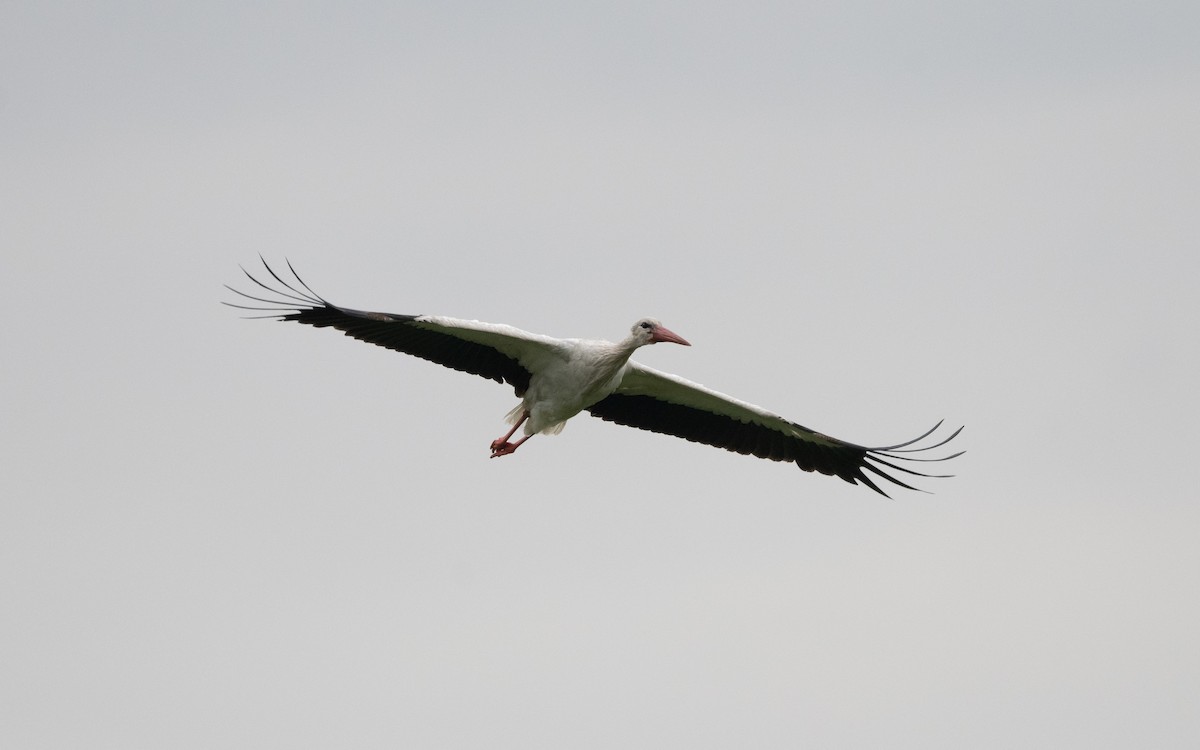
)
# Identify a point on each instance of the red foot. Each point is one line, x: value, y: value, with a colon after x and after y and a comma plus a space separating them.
x: 501, y: 448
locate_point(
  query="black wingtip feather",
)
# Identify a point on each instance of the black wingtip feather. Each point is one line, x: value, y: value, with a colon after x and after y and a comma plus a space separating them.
x: 876, y: 459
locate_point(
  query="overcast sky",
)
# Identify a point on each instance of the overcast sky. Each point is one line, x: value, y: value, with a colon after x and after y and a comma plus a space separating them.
x: 865, y: 216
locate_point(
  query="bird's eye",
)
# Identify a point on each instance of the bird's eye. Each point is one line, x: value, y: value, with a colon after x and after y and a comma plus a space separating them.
x: 646, y: 324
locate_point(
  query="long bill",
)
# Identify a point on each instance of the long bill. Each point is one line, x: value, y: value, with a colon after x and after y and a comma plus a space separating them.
x: 662, y: 334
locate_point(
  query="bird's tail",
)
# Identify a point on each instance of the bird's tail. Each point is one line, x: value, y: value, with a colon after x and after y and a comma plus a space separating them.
x: 514, y: 416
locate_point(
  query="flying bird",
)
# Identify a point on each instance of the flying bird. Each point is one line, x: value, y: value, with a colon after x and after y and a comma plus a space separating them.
x: 558, y: 378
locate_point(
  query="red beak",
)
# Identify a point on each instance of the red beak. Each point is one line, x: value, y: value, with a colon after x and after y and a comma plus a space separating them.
x: 662, y: 334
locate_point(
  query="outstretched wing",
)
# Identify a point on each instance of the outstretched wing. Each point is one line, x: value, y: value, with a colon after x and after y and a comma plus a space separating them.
x: 497, y: 352
x: 660, y: 402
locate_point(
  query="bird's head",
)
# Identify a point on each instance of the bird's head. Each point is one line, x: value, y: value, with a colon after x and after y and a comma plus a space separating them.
x: 650, y: 331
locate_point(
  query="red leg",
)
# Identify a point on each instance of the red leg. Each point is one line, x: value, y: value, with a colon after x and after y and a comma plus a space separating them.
x: 501, y: 446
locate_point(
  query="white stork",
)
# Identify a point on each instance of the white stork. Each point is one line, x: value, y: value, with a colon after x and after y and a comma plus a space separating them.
x: 558, y: 378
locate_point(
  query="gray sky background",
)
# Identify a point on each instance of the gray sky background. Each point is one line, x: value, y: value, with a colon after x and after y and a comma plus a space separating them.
x: 865, y: 216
